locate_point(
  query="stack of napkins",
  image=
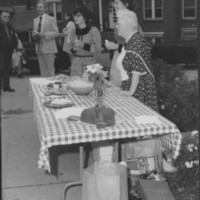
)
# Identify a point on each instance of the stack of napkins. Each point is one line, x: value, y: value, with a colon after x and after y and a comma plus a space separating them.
x: 67, y: 112
x: 147, y: 119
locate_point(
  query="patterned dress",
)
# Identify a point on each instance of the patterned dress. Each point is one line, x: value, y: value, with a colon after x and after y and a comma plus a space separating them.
x: 146, y: 89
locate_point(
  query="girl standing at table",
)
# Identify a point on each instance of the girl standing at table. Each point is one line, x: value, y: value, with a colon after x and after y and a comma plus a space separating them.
x: 68, y: 30
x: 85, y: 43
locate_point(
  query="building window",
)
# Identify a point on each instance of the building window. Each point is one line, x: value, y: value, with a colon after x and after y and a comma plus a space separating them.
x: 153, y: 9
x: 189, y: 33
x: 189, y: 9
x: 154, y: 37
x: 55, y: 9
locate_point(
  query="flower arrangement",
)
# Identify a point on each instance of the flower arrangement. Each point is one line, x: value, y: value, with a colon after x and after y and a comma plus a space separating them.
x: 100, y: 115
x: 94, y: 73
x: 184, y: 183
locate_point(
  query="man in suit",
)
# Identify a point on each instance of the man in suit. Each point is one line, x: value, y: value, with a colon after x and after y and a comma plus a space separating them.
x: 8, y: 42
x: 45, y: 31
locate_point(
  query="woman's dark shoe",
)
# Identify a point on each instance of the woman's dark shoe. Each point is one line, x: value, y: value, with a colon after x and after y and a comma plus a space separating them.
x: 8, y: 89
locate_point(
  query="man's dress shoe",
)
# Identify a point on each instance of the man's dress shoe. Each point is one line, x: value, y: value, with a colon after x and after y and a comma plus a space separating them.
x: 8, y: 89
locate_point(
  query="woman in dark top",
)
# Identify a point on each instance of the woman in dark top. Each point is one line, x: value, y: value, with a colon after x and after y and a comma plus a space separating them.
x: 85, y: 42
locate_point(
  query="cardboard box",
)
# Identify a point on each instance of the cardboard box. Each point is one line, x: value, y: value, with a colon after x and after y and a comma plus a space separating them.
x: 154, y: 190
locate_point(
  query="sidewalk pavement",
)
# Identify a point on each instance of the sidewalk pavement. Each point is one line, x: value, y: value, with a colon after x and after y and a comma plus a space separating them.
x: 21, y: 177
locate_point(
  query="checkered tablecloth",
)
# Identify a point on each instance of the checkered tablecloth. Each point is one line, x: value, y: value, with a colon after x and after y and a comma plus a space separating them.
x: 53, y: 131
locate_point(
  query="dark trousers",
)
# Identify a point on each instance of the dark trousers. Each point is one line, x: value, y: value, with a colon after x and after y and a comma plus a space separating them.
x: 5, y: 69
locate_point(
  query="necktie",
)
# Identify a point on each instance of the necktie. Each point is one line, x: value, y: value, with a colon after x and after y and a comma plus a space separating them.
x: 40, y: 23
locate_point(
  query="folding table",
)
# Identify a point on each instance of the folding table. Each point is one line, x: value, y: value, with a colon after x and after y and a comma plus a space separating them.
x: 53, y: 131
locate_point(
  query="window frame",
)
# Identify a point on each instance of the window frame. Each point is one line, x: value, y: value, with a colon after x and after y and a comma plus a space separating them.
x: 154, y: 35
x: 153, y: 9
x: 54, y: 2
x: 183, y: 11
x: 189, y: 30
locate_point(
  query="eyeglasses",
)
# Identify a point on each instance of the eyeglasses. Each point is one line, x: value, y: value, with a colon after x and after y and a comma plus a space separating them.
x: 6, y: 16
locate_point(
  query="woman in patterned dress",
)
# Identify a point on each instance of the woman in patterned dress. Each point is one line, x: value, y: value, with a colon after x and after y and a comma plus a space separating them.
x: 84, y: 43
x: 116, y: 47
x: 134, y: 62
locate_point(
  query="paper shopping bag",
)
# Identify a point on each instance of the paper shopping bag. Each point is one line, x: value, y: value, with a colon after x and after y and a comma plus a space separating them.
x: 103, y: 151
x: 105, y: 180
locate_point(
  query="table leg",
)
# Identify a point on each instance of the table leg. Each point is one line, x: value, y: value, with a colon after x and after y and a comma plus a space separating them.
x: 81, y: 152
x: 75, y: 183
x: 53, y: 159
x: 116, y: 147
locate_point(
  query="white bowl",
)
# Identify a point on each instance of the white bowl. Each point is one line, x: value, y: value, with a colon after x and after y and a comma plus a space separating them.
x: 81, y: 87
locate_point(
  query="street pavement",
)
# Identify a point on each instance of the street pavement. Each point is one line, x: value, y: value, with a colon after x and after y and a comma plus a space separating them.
x: 21, y: 177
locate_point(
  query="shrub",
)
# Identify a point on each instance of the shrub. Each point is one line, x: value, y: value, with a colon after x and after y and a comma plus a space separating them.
x: 184, y: 183
x: 177, y: 97
x: 178, y: 101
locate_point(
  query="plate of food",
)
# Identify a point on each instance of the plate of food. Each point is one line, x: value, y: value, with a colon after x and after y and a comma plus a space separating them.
x: 58, y: 92
x: 56, y: 84
x: 56, y: 89
x: 59, y: 103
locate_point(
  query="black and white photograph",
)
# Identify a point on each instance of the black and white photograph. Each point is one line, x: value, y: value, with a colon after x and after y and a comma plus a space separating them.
x: 99, y: 99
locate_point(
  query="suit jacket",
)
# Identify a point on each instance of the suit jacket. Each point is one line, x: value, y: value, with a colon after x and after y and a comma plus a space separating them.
x: 50, y: 30
x: 7, y: 45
